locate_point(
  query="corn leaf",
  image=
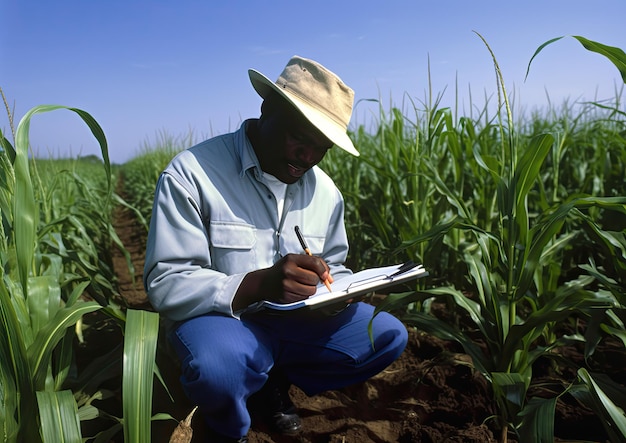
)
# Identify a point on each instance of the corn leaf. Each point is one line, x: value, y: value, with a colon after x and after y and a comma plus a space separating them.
x: 537, y: 420
x: 59, y: 417
x: 25, y: 209
x: 88, y: 412
x: 140, y: 339
x: 526, y: 173
x: 538, y: 50
x: 615, y: 55
x: 15, y: 368
x: 6, y: 145
x: 9, y: 426
x: 98, y: 133
x: 510, y: 386
x: 492, y: 313
x: 40, y: 352
x: 65, y: 356
x: 550, y: 225
x: 99, y: 370
x: 567, y: 300
x: 443, y: 330
x: 44, y: 299
x: 612, y: 412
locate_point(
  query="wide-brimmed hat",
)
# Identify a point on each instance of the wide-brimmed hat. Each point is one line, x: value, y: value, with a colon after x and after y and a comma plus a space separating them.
x: 319, y: 94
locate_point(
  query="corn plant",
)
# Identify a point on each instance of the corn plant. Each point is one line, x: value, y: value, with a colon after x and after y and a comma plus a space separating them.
x: 507, y: 255
x: 140, y: 174
x: 386, y: 194
x: 41, y: 299
x: 76, y: 222
x: 392, y: 197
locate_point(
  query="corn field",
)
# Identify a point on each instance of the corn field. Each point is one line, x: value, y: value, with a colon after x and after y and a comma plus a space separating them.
x: 520, y: 221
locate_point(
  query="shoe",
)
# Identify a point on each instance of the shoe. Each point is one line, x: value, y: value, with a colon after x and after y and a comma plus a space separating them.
x: 287, y: 422
x: 276, y: 407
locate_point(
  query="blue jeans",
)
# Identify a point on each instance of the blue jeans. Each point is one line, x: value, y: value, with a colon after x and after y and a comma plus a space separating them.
x: 225, y: 360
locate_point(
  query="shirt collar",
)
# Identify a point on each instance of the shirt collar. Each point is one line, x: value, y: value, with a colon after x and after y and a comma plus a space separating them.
x: 245, y: 150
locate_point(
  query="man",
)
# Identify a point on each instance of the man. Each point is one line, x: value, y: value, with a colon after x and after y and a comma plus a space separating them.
x: 222, y: 238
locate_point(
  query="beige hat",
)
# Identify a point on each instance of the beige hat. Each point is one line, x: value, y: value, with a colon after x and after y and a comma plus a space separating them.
x: 317, y: 93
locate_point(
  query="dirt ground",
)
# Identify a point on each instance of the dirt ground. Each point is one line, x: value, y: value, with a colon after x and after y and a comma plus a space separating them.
x: 419, y: 398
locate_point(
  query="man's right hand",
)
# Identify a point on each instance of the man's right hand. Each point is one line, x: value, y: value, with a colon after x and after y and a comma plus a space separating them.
x: 292, y: 278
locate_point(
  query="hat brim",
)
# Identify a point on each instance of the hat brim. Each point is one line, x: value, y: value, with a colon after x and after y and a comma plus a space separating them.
x: 333, y: 131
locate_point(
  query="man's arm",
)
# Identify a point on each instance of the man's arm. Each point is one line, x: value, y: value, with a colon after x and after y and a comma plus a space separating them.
x: 178, y: 274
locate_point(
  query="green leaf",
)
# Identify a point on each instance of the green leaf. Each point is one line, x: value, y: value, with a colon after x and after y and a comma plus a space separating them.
x: 40, y: 352
x: 63, y: 362
x: 88, y: 412
x: 612, y: 412
x: 615, y: 55
x: 509, y: 389
x: 550, y: 225
x: 59, y: 417
x: 15, y: 368
x: 539, y: 49
x: 78, y: 290
x: 98, y: 133
x: 162, y: 417
x: 9, y: 426
x: 140, y: 340
x: 25, y: 208
x: 492, y: 314
x: 511, y: 385
x: 99, y: 370
x: 568, y: 299
x: 44, y: 300
x: 7, y: 146
x: 537, y: 420
x: 526, y: 173
x: 443, y: 330
x: 619, y: 333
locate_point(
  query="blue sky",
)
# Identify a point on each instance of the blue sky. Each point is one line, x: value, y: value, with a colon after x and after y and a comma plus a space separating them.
x: 144, y: 68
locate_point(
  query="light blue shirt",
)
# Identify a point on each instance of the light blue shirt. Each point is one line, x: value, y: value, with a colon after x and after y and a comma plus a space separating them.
x: 214, y: 220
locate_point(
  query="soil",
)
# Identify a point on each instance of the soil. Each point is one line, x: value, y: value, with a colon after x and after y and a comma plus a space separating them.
x: 422, y: 397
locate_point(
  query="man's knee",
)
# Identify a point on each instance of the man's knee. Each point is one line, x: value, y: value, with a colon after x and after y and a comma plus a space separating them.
x: 390, y: 336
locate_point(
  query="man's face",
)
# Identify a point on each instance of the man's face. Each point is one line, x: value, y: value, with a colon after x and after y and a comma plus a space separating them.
x: 290, y: 144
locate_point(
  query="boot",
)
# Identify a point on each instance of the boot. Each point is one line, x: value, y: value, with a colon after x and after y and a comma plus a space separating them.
x: 274, y: 404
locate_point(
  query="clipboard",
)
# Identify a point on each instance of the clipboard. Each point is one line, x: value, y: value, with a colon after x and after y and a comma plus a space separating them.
x: 354, y: 286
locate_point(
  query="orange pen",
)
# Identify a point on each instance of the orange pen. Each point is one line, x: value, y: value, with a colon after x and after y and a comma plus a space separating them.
x: 308, y: 252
